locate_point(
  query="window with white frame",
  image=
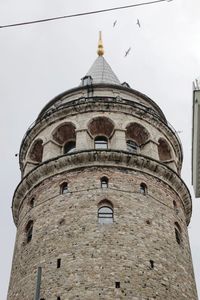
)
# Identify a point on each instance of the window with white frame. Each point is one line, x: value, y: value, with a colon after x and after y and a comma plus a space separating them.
x: 101, y: 142
x: 105, y: 212
x: 104, y: 182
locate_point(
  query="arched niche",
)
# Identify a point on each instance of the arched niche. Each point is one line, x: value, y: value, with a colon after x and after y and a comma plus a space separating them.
x: 164, y: 151
x: 64, y: 133
x: 36, y: 151
x: 137, y: 133
x: 101, y: 126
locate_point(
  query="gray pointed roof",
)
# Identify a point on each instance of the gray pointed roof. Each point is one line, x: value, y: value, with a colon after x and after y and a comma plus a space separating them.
x: 101, y: 72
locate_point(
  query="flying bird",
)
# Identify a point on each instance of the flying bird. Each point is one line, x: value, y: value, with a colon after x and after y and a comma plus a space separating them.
x: 138, y: 23
x: 127, y: 52
x: 114, y: 23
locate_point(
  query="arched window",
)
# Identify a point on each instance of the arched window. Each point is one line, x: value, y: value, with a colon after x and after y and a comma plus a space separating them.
x: 65, y: 136
x: 29, y: 231
x: 105, y: 212
x: 137, y: 133
x: 69, y: 147
x: 64, y: 133
x: 132, y: 146
x: 104, y: 182
x: 64, y: 188
x: 143, y: 188
x: 101, y: 142
x: 178, y: 234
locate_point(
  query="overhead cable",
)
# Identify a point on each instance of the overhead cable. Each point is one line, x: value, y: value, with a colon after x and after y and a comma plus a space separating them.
x: 81, y: 14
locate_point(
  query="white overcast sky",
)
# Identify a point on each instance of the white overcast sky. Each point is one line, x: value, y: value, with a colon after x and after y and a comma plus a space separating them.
x: 38, y: 62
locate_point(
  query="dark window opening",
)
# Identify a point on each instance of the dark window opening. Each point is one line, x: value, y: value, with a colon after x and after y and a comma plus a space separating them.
x: 104, y: 182
x: 101, y: 142
x: 62, y: 221
x: 151, y: 264
x: 175, y: 207
x: 143, y: 188
x: 117, y: 284
x: 87, y: 80
x: 29, y: 231
x: 105, y: 215
x: 32, y: 202
x: 58, y: 263
x: 64, y: 188
x: 58, y: 298
x: 178, y: 236
x: 69, y: 147
x: 132, y: 146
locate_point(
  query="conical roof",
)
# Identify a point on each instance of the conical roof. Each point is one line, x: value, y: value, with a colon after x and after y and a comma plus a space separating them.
x: 101, y: 72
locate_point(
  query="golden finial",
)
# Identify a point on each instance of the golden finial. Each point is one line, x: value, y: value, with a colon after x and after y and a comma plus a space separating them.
x: 100, y: 50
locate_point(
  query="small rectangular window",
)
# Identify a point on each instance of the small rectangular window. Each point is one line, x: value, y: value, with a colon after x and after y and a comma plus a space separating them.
x: 151, y: 264
x: 58, y: 263
x: 104, y: 182
x: 117, y: 284
x: 178, y: 236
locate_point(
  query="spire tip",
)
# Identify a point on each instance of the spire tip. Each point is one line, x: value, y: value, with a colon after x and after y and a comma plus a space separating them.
x: 100, y: 50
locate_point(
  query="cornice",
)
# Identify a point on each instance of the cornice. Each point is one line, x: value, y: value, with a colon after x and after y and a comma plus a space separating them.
x: 84, y: 89
x: 101, y: 158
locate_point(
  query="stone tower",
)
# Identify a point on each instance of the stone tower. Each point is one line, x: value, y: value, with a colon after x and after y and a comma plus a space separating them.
x: 101, y: 208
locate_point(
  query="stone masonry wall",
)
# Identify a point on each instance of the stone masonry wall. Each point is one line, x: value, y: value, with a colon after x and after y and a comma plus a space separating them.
x: 139, y: 249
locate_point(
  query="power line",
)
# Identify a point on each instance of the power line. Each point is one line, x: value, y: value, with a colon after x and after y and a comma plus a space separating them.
x: 81, y: 14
